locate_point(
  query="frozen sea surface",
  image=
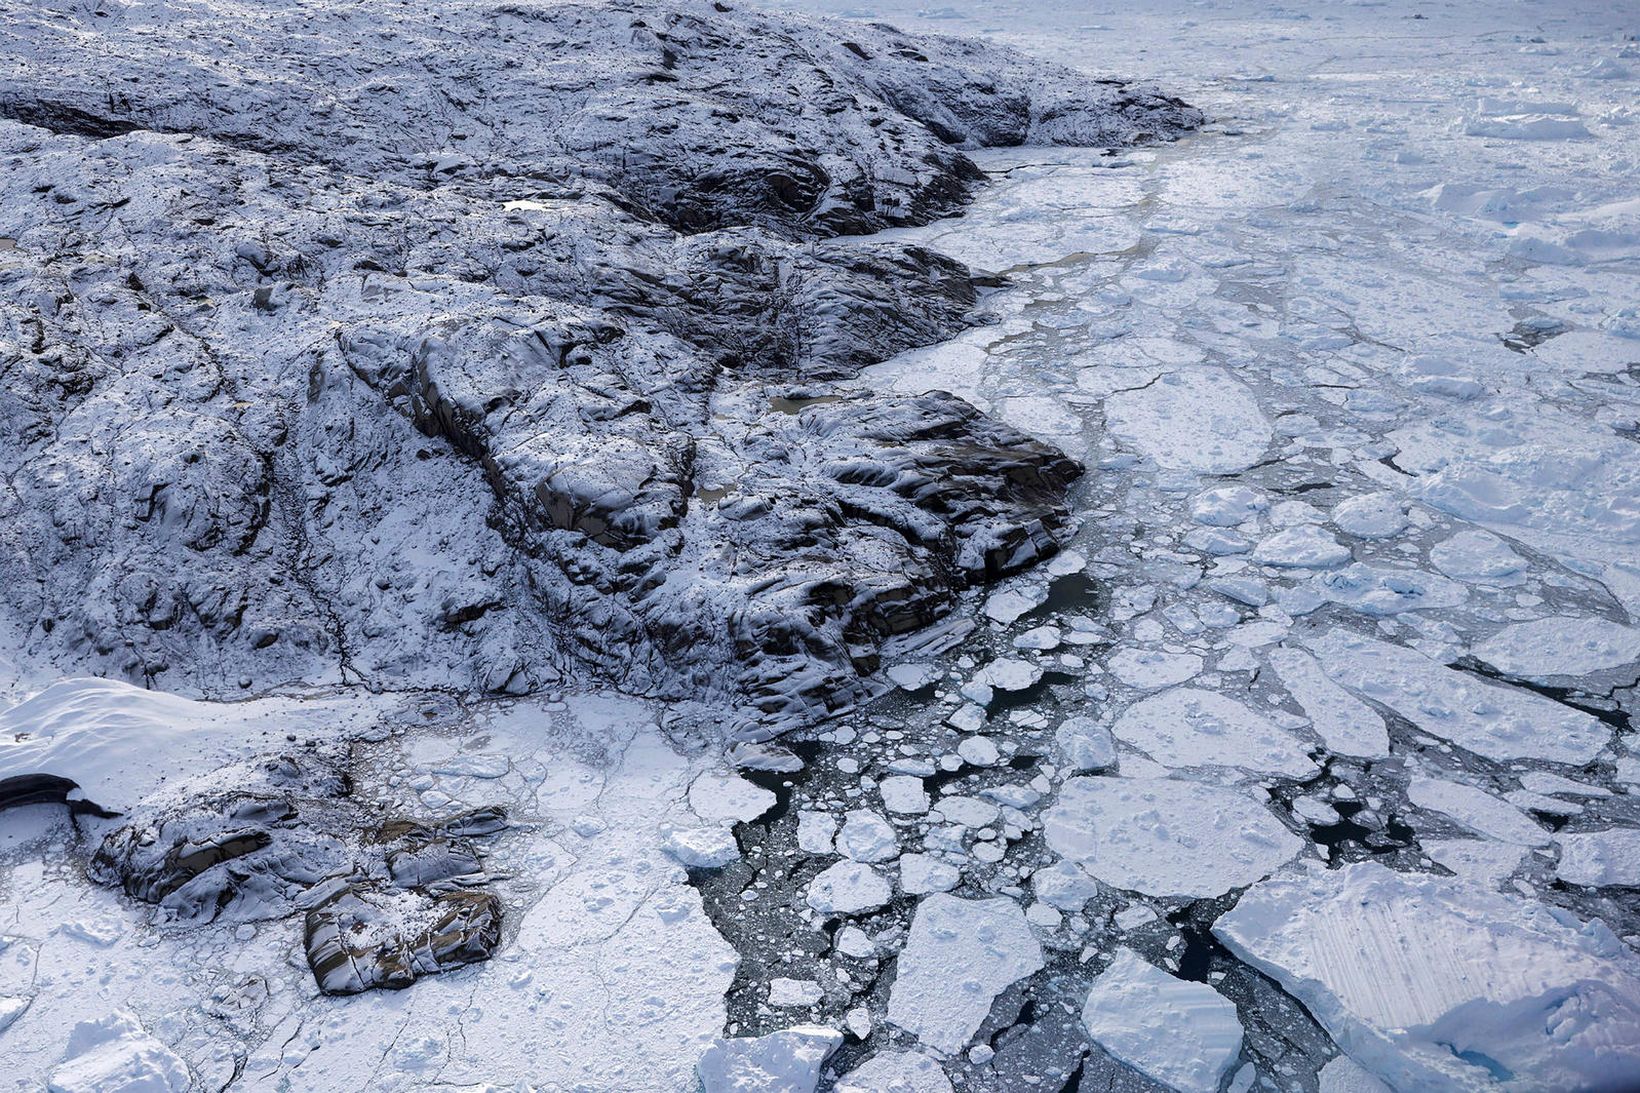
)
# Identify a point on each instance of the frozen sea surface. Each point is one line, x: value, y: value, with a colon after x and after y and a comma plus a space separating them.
x: 1320, y: 743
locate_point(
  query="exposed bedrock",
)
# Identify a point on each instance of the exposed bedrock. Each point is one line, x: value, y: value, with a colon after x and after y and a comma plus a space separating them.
x: 459, y: 346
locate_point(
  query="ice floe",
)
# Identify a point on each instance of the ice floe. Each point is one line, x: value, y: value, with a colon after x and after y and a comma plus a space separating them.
x: 1167, y: 837
x: 959, y: 956
x: 1183, y: 1035
x: 1431, y: 983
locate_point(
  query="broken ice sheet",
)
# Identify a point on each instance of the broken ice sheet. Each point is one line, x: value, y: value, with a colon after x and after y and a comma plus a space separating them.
x: 1167, y: 837
x: 1431, y: 983
x: 959, y: 955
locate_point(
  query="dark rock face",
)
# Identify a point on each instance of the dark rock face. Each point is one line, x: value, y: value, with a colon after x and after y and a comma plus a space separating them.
x: 364, y: 938
x: 462, y: 346
x: 387, y: 902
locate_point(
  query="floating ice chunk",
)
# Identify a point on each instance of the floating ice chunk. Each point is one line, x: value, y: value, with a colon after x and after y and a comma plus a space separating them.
x: 1228, y: 506
x: 1195, y: 419
x: 1479, y: 557
x: 848, y: 888
x: 1009, y: 674
x: 702, y: 847
x: 1345, y: 724
x: 1009, y: 605
x: 115, y: 1053
x: 967, y: 718
x: 788, y: 1061
x: 1476, y: 810
x: 1165, y: 837
x: 1477, y: 861
x: 1542, y: 781
x: 1371, y: 516
x: 904, y: 795
x: 1304, y: 546
x: 1382, y: 591
x: 794, y: 993
x: 1526, y: 127
x: 895, y: 1072
x: 855, y: 942
x: 1065, y: 563
x: 1216, y: 542
x: 1433, y: 983
x: 1184, y: 1035
x: 979, y: 751
x: 921, y: 874
x: 867, y: 837
x: 1190, y: 727
x: 1064, y: 886
x: 960, y: 954
x: 11, y: 1008
x: 1085, y: 745
x: 967, y: 811
x: 1345, y: 1075
x: 1043, y: 639
x: 1560, y: 646
x: 1496, y: 722
x: 912, y: 677
x: 716, y: 796
x: 816, y: 830
x: 1600, y: 858
x: 1149, y: 669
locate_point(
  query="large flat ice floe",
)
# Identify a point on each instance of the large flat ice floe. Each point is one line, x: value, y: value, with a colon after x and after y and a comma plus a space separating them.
x: 1431, y: 983
x: 1490, y: 720
x: 959, y: 956
x: 1167, y: 837
x: 1184, y: 1035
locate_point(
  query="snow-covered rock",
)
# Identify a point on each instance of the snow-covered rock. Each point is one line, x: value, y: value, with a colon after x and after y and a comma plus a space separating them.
x: 1183, y: 1035
x: 1431, y: 983
x: 532, y: 337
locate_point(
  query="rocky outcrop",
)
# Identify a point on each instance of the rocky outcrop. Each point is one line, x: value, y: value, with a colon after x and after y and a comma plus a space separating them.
x: 387, y: 901
x: 463, y: 345
x: 364, y: 938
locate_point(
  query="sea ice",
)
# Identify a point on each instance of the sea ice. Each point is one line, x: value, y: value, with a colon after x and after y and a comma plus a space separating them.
x: 1610, y: 856
x: 1191, y: 727
x: 1149, y: 669
x: 1195, y: 419
x: 1489, y: 720
x: 1345, y: 724
x: 1167, y: 837
x: 867, y: 837
x: 848, y: 888
x: 960, y: 954
x: 788, y: 1061
x: 1476, y: 810
x: 1183, y: 1035
x: 1433, y: 983
x: 1560, y: 646
x: 895, y: 1072
x: 115, y: 1053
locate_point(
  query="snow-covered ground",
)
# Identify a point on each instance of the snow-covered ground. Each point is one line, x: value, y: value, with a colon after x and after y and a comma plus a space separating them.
x: 1309, y: 767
